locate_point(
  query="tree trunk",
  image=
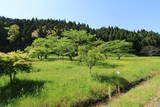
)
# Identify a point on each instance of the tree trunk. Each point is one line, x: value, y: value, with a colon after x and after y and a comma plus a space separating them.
x: 119, y: 57
x: 14, y: 76
x: 70, y: 58
x: 45, y: 56
x: 41, y: 58
x: 109, y: 92
x: 62, y: 57
x: 59, y: 57
x: 118, y: 89
x: 90, y: 70
x: 10, y: 77
x: 80, y: 60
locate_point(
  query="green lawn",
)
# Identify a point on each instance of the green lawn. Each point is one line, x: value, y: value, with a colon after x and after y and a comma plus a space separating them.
x: 63, y: 83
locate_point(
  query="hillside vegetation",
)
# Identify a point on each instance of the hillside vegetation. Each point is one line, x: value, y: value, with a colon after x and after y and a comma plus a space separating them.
x: 29, y: 30
x: 54, y: 63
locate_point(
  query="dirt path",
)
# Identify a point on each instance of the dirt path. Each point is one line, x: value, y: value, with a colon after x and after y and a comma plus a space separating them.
x: 154, y: 102
x: 105, y: 102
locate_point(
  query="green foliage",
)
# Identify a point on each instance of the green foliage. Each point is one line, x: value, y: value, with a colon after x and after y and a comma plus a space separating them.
x: 82, y: 51
x: 33, y: 28
x: 42, y: 42
x: 13, y: 33
x: 42, y: 47
x: 117, y: 47
x: 66, y: 47
x: 95, y: 43
x: 139, y: 39
x: 90, y: 58
x: 13, y: 62
x: 39, y: 52
x: 79, y: 37
x: 52, y: 33
x: 22, y: 65
x: 52, y: 43
x: 35, y: 34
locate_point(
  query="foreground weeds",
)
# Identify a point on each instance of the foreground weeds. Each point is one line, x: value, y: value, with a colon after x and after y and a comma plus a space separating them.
x: 64, y: 83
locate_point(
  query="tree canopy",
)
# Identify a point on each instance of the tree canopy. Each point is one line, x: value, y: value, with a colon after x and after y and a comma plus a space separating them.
x: 79, y: 37
x: 14, y: 62
x: 17, y: 34
x: 117, y: 47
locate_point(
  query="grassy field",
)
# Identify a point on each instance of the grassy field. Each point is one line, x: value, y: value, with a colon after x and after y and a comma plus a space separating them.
x: 140, y: 96
x: 62, y: 83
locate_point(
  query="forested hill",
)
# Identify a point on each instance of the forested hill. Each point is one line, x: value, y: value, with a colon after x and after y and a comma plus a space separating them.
x: 35, y: 28
x: 28, y: 28
x: 140, y: 39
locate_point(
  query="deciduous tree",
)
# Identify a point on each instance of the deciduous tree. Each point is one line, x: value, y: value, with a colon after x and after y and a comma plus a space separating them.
x: 91, y: 57
x: 13, y: 33
x: 12, y: 63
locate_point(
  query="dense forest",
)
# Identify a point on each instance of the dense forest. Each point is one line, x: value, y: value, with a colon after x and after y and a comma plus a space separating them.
x: 144, y: 42
x: 29, y: 27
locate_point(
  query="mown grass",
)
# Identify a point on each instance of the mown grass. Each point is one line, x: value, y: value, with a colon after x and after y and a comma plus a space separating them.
x: 64, y: 83
x: 140, y: 95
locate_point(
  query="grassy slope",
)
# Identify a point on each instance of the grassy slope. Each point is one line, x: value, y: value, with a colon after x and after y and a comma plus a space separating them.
x: 139, y: 95
x: 65, y: 83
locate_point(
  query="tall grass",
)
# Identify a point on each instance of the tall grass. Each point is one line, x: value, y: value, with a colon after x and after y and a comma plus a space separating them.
x: 140, y: 95
x: 64, y: 83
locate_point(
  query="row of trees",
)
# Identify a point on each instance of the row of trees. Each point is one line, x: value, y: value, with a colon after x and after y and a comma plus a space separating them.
x: 19, y: 33
x: 92, y: 55
x: 72, y: 43
x: 79, y: 44
x: 64, y: 46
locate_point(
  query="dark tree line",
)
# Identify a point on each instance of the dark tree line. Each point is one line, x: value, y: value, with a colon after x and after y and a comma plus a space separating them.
x: 140, y: 39
x: 29, y: 30
x: 27, y: 27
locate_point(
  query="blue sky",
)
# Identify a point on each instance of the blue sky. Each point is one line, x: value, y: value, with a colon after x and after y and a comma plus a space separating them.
x: 128, y: 14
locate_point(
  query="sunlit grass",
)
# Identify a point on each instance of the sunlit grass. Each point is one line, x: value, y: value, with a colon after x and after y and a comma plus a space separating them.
x: 69, y: 83
x: 139, y: 96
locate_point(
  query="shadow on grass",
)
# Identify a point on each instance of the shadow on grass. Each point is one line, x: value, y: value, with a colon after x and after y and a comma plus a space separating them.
x: 56, y: 59
x: 113, y: 80
x: 132, y: 59
x: 20, y: 88
x: 107, y: 65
